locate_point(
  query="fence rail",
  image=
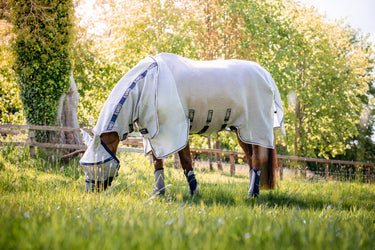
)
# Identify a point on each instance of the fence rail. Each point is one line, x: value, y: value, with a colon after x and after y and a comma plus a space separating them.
x: 137, y: 144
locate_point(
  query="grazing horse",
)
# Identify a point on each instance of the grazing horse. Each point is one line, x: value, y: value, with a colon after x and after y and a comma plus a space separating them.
x: 169, y: 97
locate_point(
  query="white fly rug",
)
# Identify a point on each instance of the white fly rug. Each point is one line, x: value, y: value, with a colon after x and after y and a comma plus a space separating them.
x: 168, y: 97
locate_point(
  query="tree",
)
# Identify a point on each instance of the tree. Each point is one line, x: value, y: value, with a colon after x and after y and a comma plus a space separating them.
x: 317, y: 68
x: 43, y: 67
x: 323, y: 70
x: 10, y: 104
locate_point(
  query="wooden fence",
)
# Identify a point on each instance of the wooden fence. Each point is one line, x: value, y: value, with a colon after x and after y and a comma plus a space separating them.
x: 137, y: 144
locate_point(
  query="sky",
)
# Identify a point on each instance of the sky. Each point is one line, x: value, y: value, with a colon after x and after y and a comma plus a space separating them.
x: 358, y: 13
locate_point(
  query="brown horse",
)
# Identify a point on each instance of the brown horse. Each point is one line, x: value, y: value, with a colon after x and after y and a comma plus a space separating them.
x: 169, y: 97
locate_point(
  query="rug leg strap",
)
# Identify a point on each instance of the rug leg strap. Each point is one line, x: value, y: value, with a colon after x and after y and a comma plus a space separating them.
x: 159, y: 188
x: 193, y: 185
x: 254, y: 183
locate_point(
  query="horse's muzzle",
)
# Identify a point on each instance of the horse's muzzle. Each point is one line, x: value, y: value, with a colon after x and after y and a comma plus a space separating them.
x: 97, y: 186
x: 98, y: 177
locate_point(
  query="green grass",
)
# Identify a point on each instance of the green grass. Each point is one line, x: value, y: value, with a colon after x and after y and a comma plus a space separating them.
x: 43, y: 206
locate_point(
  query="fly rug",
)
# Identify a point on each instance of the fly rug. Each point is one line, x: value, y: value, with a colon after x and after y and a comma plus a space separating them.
x: 169, y: 97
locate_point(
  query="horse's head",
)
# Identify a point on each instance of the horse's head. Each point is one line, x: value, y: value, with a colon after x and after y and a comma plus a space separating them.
x: 99, y: 164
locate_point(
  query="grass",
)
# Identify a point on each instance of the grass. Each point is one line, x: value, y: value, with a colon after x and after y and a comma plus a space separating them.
x: 43, y: 206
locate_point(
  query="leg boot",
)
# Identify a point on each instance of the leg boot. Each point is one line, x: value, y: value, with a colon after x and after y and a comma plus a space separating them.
x: 254, y: 183
x: 159, y: 182
x: 193, y: 185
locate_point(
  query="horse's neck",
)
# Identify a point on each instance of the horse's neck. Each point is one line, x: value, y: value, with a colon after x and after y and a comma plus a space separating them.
x: 111, y: 140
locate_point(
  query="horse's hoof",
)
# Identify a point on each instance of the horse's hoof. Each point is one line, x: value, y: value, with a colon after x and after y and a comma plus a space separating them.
x: 249, y: 196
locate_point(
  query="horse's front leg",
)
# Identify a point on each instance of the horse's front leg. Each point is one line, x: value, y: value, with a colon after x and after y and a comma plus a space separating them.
x: 187, y: 165
x: 159, y: 186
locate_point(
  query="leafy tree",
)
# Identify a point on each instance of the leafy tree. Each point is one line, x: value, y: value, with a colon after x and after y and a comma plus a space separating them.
x: 315, y: 64
x: 329, y: 77
x: 10, y: 103
x: 42, y: 45
x: 95, y: 78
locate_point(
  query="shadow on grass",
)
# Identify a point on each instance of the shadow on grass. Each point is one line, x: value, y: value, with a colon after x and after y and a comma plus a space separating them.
x: 229, y: 195
x: 235, y: 176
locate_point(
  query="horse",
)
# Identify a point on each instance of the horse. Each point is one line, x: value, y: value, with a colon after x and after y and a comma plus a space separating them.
x: 169, y: 97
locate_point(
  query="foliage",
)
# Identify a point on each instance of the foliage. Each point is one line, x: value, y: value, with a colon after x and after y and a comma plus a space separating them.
x: 307, y: 56
x: 142, y: 28
x: 42, y: 63
x: 4, y: 9
x: 10, y: 103
x: 43, y: 205
x: 323, y: 69
x: 332, y: 69
x: 362, y: 147
x: 95, y: 77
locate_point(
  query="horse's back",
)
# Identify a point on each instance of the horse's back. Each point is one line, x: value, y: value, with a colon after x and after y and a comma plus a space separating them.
x: 221, y: 93
x: 228, y: 71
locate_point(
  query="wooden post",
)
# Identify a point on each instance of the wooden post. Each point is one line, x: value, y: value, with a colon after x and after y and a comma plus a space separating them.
x: 32, y: 140
x: 281, y: 166
x: 326, y: 169
x: 193, y: 159
x: 368, y: 174
x: 218, y: 156
x: 176, y: 162
x: 232, y: 164
x: 210, y: 153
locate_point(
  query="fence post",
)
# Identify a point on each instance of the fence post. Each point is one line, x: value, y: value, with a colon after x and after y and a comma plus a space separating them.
x: 210, y: 153
x: 176, y: 162
x: 218, y: 156
x: 32, y: 140
x: 326, y: 169
x: 232, y: 164
x: 368, y: 174
x: 281, y: 166
x: 193, y: 159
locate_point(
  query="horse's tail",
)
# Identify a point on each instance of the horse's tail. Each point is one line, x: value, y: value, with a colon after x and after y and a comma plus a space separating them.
x: 268, y: 176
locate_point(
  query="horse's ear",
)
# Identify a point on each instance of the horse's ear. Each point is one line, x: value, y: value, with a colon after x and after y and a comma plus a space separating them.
x: 86, y: 137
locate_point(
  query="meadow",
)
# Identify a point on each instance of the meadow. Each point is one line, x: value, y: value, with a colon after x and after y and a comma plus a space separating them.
x: 43, y: 206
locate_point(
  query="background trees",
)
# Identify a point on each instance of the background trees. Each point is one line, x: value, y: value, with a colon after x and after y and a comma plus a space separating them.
x: 323, y: 69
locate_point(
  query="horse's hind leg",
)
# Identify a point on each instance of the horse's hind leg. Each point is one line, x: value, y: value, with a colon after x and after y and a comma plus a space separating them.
x: 187, y: 165
x: 255, y: 166
x: 159, y: 186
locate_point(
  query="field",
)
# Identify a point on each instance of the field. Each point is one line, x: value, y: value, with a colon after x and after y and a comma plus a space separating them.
x: 43, y: 206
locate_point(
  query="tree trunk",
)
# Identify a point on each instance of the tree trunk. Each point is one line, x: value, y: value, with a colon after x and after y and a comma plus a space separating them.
x: 67, y: 115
